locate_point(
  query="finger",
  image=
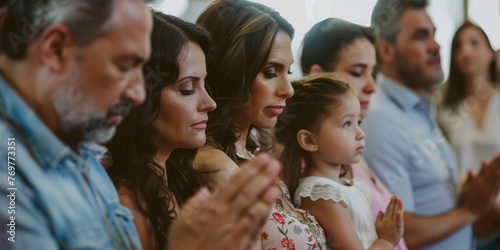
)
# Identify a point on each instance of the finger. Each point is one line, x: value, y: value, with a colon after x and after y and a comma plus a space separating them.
x: 247, y: 172
x: 191, y: 210
x: 380, y: 216
x: 400, y: 220
x: 390, y: 208
x: 199, y: 199
x: 252, y: 221
x: 271, y: 194
x: 399, y: 209
x: 256, y: 188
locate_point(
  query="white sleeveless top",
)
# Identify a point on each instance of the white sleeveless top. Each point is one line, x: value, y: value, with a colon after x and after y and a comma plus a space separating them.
x: 356, y: 198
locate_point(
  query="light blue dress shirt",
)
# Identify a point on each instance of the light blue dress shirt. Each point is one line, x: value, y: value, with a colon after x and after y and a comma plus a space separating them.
x: 408, y: 152
x: 63, y: 199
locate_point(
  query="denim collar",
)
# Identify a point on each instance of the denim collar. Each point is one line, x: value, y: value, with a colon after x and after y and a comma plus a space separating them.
x: 39, y: 139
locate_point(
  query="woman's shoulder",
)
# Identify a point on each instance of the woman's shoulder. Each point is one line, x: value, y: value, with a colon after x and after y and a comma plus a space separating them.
x: 127, y: 196
x: 211, y: 159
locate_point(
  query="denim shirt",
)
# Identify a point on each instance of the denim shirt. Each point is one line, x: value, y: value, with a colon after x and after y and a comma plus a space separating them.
x: 57, y: 198
x: 410, y: 155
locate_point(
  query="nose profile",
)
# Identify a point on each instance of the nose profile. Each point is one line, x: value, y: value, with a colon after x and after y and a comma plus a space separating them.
x: 360, y: 135
x: 370, y: 86
x: 286, y: 89
x: 136, y: 91
x: 136, y: 94
x: 206, y: 103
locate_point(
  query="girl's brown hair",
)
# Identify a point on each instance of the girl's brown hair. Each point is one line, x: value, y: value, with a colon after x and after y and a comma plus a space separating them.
x: 312, y: 102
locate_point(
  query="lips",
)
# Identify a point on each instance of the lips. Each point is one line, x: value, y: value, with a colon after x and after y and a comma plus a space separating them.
x: 274, y: 110
x: 360, y: 149
x: 435, y: 61
x: 365, y: 105
x: 200, y: 125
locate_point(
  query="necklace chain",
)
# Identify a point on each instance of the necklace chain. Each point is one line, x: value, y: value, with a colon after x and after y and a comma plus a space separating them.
x: 243, y: 156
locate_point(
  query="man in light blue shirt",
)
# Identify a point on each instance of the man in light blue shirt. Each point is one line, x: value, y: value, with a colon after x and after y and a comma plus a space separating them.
x: 405, y: 147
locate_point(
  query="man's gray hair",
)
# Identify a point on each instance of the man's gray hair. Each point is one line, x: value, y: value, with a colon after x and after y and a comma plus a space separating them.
x: 386, y: 16
x: 26, y: 20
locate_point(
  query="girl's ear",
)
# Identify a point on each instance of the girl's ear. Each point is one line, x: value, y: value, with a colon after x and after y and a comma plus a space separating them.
x: 315, y: 68
x: 306, y: 141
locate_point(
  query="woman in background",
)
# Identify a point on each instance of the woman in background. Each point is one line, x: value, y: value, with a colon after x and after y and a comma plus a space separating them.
x: 469, y: 113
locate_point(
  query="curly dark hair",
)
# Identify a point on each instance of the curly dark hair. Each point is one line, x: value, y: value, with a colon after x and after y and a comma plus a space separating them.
x: 134, y: 147
x: 243, y: 33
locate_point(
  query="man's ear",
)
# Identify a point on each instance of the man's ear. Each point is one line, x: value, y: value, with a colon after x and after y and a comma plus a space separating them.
x: 385, y: 50
x: 56, y: 48
x: 306, y: 141
x: 315, y: 68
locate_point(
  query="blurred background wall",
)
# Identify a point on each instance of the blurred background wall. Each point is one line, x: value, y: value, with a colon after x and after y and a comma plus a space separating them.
x: 302, y: 14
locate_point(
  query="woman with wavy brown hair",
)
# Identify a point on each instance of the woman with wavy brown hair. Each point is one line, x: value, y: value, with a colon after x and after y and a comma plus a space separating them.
x: 248, y: 76
x: 153, y: 149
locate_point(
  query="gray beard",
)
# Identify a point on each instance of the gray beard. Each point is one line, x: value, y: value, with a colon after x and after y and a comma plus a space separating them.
x: 415, y: 77
x: 79, y: 119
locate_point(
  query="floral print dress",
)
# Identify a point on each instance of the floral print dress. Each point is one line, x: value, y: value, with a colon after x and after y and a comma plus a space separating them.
x: 291, y: 228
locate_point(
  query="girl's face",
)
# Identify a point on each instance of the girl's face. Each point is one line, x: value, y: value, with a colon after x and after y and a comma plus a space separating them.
x: 356, y: 63
x: 270, y: 88
x: 339, y: 139
x: 473, y: 54
x: 185, y: 104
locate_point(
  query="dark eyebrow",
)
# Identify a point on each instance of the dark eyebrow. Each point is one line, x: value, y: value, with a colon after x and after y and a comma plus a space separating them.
x: 276, y: 64
x: 425, y: 30
x: 193, y: 78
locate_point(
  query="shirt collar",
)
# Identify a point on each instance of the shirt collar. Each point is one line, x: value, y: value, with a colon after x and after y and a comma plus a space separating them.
x: 42, y: 142
x: 404, y: 97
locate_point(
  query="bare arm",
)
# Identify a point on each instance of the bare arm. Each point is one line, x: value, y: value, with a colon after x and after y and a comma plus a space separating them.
x: 422, y: 231
x: 478, y: 196
x: 141, y: 221
x: 334, y: 218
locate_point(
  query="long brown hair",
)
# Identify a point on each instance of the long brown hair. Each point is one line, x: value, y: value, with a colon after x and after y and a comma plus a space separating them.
x: 243, y: 33
x: 311, y: 103
x: 456, y: 90
x: 134, y: 146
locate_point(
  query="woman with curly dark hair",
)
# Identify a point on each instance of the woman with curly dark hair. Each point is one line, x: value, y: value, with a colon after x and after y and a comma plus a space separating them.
x: 153, y: 148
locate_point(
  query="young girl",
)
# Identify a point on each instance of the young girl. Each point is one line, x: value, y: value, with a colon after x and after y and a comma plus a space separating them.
x: 323, y: 132
x: 325, y: 48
